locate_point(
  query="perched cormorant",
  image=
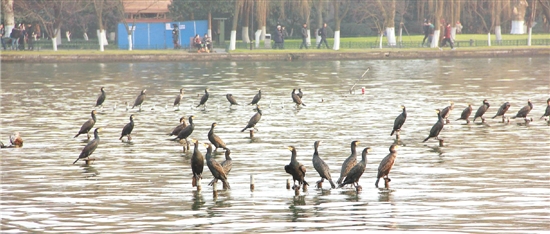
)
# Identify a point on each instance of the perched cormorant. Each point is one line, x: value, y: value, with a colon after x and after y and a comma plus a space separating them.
x: 481, y: 110
x: 434, y: 132
x: 227, y: 165
x: 502, y: 110
x: 16, y: 140
x: 254, y: 119
x: 357, y: 171
x: 215, y: 139
x: 321, y: 167
x: 90, y: 147
x: 178, y: 128
x: 139, y: 100
x: 296, y: 98
x: 231, y: 100
x: 127, y: 130
x: 186, y: 132
x: 300, y: 94
x: 296, y: 169
x: 523, y: 112
x: 204, y: 99
x: 547, y: 112
x: 349, y: 162
x: 256, y: 98
x: 387, y: 163
x: 101, y: 98
x: 466, y: 113
x: 446, y: 112
x: 177, y: 101
x: 87, y: 126
x: 215, y: 168
x: 399, y: 121
x: 197, y: 164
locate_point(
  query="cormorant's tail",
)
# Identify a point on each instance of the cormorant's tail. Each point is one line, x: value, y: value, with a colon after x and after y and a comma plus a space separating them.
x: 392, y: 132
x: 377, y: 180
x: 76, y: 160
x: 332, y: 183
x: 494, y: 116
x: 514, y: 117
x: 75, y: 136
x: 194, y: 182
x: 339, y: 181
x: 213, y: 182
x: 426, y: 139
x: 243, y: 129
x: 226, y: 184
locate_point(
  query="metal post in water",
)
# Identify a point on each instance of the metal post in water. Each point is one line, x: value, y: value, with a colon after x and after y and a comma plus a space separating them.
x: 252, y: 133
x: 441, y: 142
x: 304, y: 188
x: 387, y: 183
x: 251, y: 182
x: 287, y: 183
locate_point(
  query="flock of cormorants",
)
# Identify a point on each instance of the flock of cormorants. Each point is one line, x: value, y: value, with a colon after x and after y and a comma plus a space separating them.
x: 350, y: 172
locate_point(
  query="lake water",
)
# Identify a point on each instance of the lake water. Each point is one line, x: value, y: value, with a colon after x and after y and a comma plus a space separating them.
x: 492, y: 177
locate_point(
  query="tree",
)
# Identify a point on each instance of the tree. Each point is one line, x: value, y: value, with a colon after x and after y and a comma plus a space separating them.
x: 518, y: 16
x: 233, y: 38
x: 9, y: 16
x: 341, y: 8
x: 387, y: 9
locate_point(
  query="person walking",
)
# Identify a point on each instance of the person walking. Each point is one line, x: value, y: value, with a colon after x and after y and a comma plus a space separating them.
x: 22, y: 34
x: 278, y: 38
x: 14, y: 35
x: 2, y: 33
x: 323, y: 33
x: 176, y: 36
x: 304, y: 36
x: 425, y: 28
x: 447, y: 37
x: 431, y: 30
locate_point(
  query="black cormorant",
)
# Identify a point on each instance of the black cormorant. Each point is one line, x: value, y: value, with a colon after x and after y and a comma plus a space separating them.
x: 256, y: 98
x: 204, y: 99
x: 387, y: 163
x: 446, y: 112
x: 215, y: 168
x: 502, y: 110
x: 231, y: 100
x: 139, y: 100
x: 296, y: 98
x: 90, y: 147
x: 481, y: 110
x: 434, y: 132
x: 296, y: 169
x: 399, y: 121
x: 300, y: 94
x: 16, y: 140
x: 127, y: 130
x: 523, y: 112
x: 178, y: 128
x: 254, y: 119
x: 197, y: 164
x: 215, y: 139
x: 357, y: 171
x: 466, y: 113
x: 321, y: 167
x: 186, y: 132
x: 349, y: 162
x: 101, y: 98
x: 88, y: 125
x: 227, y: 165
x: 547, y: 112
x: 177, y: 101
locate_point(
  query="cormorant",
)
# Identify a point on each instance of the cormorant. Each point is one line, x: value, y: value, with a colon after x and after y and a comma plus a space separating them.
x: 177, y: 101
x: 215, y: 168
x: 87, y: 126
x: 466, y: 113
x: 101, y: 98
x: 523, y: 112
x: 300, y: 94
x: 446, y: 112
x: 387, y: 163
x: 481, y: 110
x: 296, y: 98
x: 127, y: 130
x: 178, y: 128
x: 254, y: 119
x: 357, y: 171
x: 547, y: 112
x: 197, y: 164
x: 502, y: 110
x: 399, y: 121
x: 349, y: 162
x: 231, y: 100
x: 227, y: 165
x: 256, y: 98
x: 215, y: 139
x: 296, y: 169
x: 204, y: 99
x: 90, y: 147
x: 139, y: 100
x: 186, y: 132
x: 321, y: 167
x: 434, y: 132
x: 16, y: 140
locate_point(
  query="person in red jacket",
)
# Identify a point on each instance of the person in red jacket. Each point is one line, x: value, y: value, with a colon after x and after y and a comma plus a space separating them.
x: 447, y: 37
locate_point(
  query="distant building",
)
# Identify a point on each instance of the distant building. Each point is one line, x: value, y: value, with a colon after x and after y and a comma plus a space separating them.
x: 147, y: 10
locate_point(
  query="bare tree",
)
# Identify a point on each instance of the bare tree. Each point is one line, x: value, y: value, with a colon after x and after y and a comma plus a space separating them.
x: 9, y: 16
x: 237, y: 9
x: 341, y: 8
x: 518, y: 20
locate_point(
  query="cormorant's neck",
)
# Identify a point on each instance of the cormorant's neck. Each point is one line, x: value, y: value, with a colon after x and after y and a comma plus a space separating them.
x: 293, y: 158
x: 353, y: 151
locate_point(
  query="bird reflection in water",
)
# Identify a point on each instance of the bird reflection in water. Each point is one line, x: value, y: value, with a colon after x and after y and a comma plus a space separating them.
x: 89, y: 171
x: 297, y: 211
x: 198, y: 201
x: 386, y: 196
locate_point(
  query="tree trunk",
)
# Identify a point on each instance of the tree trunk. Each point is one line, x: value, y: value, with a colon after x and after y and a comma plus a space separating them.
x: 489, y: 39
x: 245, y: 21
x: 336, y: 45
x: 233, y: 38
x: 390, y: 35
x: 100, y: 38
x: 210, y: 24
x: 518, y: 18
x: 130, y: 43
x: 244, y: 35
x: 498, y: 33
x: 9, y: 16
x: 438, y: 17
x: 54, y: 43
x: 319, y: 21
x: 529, y: 30
x: 380, y: 42
x: 390, y: 24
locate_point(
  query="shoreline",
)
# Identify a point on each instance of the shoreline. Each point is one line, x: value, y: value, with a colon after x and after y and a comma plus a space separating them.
x: 184, y: 56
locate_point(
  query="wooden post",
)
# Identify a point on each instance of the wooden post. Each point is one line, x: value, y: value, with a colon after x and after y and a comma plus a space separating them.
x: 287, y: 183
x: 358, y: 188
x: 215, y: 190
x: 199, y: 185
x: 296, y: 191
x: 304, y: 188
x: 251, y: 182
x: 88, y: 162
x: 397, y: 136
x: 441, y: 142
x: 252, y: 133
x: 387, y: 183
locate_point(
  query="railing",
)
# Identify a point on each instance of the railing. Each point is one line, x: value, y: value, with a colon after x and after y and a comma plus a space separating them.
x: 80, y: 44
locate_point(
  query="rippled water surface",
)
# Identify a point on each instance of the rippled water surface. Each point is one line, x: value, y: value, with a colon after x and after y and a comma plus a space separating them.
x: 488, y: 177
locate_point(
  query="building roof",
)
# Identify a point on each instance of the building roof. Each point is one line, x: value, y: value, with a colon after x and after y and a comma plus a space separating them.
x: 146, y: 6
